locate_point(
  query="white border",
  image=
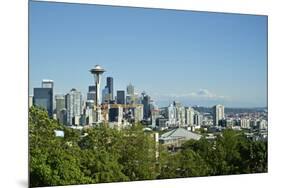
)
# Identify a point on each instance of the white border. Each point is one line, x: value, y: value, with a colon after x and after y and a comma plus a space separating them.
x: 13, y: 61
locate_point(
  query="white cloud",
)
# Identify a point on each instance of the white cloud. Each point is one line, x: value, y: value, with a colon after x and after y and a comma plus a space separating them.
x: 206, y: 94
x: 200, y: 94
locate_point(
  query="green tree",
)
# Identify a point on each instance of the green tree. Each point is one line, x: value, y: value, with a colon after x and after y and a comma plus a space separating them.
x: 138, y: 154
x: 186, y: 163
x: 100, y: 155
x: 52, y: 160
x: 171, y: 166
x: 192, y: 164
x: 258, y: 162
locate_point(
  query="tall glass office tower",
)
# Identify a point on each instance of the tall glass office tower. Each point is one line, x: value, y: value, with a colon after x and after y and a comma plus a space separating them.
x: 43, y: 97
x: 120, y: 98
x: 109, y: 85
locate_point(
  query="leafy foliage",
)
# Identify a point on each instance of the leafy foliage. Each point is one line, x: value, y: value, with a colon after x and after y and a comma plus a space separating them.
x: 102, y: 154
x: 229, y: 153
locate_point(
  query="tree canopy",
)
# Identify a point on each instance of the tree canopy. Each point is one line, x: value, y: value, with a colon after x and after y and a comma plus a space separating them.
x: 103, y: 154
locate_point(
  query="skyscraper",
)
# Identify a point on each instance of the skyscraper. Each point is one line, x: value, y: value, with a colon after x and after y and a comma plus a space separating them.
x: 130, y: 90
x: 60, y: 102
x: 92, y: 88
x: 109, y: 85
x: 120, y: 98
x: 171, y: 115
x: 106, y: 97
x: 218, y: 114
x: 180, y: 113
x: 73, y: 102
x: 198, y: 118
x: 60, y: 108
x: 138, y: 113
x: 132, y: 97
x: 43, y: 97
x: 47, y: 84
x: 91, y: 95
x: 146, y: 107
x: 190, y: 116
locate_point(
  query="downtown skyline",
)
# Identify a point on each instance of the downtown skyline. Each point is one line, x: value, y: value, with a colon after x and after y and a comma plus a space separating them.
x: 197, y: 58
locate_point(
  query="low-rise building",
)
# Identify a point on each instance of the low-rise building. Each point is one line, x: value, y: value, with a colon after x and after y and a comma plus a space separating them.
x: 176, y: 137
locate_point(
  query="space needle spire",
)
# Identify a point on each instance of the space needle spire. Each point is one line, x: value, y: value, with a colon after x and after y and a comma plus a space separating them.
x: 97, y: 71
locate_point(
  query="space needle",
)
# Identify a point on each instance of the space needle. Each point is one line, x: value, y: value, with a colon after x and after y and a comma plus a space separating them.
x: 97, y: 72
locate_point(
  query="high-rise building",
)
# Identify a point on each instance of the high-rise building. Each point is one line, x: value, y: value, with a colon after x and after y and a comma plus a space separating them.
x: 60, y: 102
x: 171, y: 115
x: 89, y: 114
x: 92, y: 88
x: 129, y: 99
x: 180, y: 113
x: 73, y: 106
x: 161, y: 122
x: 47, y: 84
x: 91, y: 95
x: 116, y: 115
x: 198, y: 118
x: 43, y: 97
x: 130, y: 89
x: 189, y: 116
x: 109, y: 85
x: 262, y: 124
x: 253, y: 123
x: 120, y: 98
x: 244, y: 123
x: 218, y: 114
x: 106, y: 97
x: 62, y: 116
x: 138, y: 113
x: 146, y: 106
x: 90, y: 104
x: 60, y: 106
x: 154, y: 112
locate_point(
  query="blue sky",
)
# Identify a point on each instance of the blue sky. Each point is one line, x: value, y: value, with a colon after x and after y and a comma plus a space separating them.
x: 198, y: 58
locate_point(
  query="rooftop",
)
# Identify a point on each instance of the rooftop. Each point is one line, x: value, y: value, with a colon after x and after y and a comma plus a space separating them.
x: 180, y: 133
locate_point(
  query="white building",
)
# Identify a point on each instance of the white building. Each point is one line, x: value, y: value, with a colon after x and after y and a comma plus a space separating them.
x: 262, y: 124
x: 89, y: 115
x: 244, y: 123
x: 73, y: 106
x: 138, y: 113
x: 180, y: 115
x: 218, y: 113
x: 171, y: 115
x: 198, y: 119
x: 189, y: 116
